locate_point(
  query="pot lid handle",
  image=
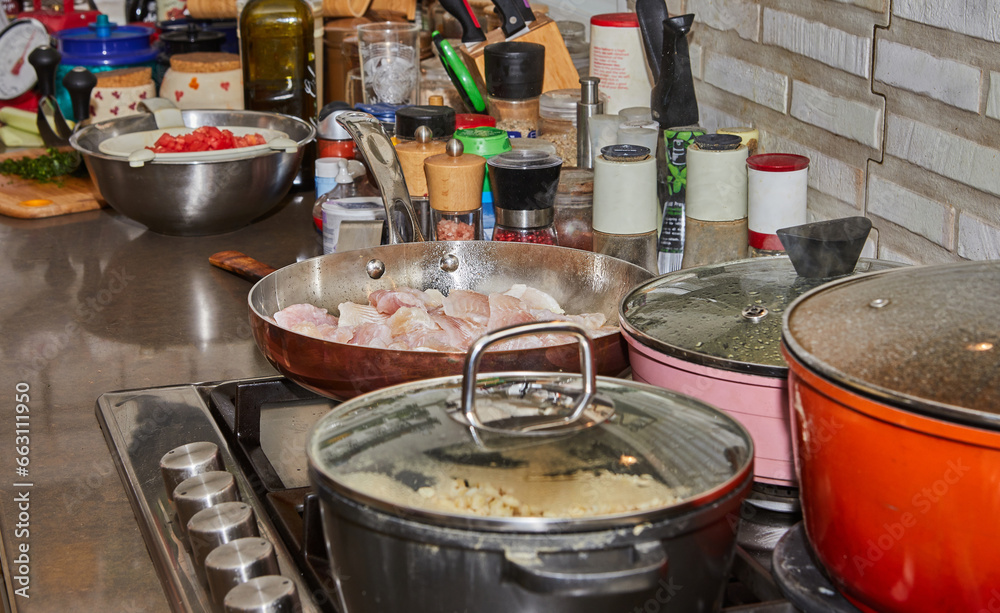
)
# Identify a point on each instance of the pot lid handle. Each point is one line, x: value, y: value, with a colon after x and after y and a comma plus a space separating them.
x: 547, y: 327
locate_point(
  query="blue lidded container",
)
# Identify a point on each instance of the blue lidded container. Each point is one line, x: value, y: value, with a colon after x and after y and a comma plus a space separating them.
x: 103, y: 46
x: 385, y: 113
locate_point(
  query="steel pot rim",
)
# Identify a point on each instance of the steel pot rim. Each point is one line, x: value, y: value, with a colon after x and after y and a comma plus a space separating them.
x: 741, y: 475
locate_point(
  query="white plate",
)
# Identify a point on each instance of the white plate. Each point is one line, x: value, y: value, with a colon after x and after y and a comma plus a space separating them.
x: 125, y: 145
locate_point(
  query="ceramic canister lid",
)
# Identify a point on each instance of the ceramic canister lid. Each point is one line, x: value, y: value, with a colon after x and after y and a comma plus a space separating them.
x: 925, y: 338
x: 639, y: 453
x: 726, y: 316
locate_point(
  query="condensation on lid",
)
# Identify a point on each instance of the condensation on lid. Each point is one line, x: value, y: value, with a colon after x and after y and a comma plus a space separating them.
x: 777, y: 162
x: 924, y: 337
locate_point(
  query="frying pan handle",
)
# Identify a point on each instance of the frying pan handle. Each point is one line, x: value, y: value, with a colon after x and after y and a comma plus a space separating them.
x: 640, y: 568
x: 477, y: 349
x: 241, y: 265
x: 380, y: 155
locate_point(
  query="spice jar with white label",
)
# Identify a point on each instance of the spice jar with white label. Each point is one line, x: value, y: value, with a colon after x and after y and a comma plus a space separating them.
x: 514, y: 75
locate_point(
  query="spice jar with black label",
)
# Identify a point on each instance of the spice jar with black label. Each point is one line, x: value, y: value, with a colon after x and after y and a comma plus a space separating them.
x: 524, y: 186
x: 514, y: 75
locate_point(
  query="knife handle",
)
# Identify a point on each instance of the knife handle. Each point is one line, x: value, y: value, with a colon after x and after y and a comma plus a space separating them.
x: 510, y: 15
x: 472, y: 32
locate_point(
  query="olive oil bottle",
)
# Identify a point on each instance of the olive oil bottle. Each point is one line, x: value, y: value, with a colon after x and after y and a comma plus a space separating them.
x: 277, y: 49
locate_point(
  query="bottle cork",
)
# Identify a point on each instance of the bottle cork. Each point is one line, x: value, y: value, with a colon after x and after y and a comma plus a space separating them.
x: 411, y: 157
x: 455, y: 179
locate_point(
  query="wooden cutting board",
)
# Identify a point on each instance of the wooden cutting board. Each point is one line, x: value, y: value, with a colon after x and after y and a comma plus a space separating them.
x: 29, y: 199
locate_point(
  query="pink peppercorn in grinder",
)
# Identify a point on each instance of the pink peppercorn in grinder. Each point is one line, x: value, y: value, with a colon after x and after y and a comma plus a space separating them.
x: 524, y: 183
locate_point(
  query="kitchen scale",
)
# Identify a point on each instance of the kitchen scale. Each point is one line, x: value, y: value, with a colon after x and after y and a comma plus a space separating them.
x: 17, y: 76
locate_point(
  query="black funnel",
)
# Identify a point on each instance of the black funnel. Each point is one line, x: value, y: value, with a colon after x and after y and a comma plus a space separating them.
x: 826, y: 248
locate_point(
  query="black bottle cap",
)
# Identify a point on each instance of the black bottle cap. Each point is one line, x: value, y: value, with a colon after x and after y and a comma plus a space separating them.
x: 514, y: 70
x: 440, y: 119
x: 625, y: 153
x: 192, y: 40
x: 718, y: 142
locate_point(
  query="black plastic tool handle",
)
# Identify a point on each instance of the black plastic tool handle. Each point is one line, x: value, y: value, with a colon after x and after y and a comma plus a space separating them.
x: 472, y: 32
x: 45, y: 59
x: 510, y: 14
x: 79, y: 82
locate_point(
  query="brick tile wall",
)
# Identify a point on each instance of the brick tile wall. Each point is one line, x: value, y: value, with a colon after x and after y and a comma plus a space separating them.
x: 898, y: 111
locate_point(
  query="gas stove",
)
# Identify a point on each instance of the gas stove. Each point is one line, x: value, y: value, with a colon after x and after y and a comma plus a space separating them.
x: 260, y: 427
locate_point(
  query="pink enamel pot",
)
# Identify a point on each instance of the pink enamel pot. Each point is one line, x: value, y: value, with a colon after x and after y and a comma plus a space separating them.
x: 713, y: 333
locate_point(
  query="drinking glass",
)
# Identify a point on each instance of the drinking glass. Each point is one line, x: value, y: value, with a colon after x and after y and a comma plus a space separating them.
x: 390, y: 62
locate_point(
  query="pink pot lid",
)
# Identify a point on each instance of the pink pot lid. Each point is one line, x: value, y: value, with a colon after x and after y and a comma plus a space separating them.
x: 924, y: 338
x: 724, y: 316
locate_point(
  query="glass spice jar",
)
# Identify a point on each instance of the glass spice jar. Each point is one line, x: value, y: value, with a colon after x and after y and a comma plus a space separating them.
x: 514, y: 75
x: 557, y: 122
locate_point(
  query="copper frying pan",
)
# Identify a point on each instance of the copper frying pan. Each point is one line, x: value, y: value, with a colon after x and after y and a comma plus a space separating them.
x: 582, y: 282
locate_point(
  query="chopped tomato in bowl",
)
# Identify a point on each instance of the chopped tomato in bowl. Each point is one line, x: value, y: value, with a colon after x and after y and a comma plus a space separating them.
x: 205, y: 138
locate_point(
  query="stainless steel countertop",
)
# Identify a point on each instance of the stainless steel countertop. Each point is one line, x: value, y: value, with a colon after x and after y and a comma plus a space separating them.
x: 90, y: 303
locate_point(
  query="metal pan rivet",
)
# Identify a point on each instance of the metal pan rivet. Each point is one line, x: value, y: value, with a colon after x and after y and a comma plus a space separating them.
x: 878, y: 303
x: 754, y: 313
x: 449, y: 263
x: 375, y: 268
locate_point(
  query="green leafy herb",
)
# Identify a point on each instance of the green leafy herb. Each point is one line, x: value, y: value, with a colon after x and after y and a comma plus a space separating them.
x: 44, y: 168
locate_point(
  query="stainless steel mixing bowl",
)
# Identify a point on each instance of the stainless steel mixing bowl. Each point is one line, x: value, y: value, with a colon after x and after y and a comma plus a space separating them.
x: 194, y: 198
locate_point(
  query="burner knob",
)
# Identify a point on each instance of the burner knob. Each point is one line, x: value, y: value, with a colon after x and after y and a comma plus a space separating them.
x: 202, y: 491
x: 237, y: 562
x: 218, y: 525
x: 268, y: 594
x: 187, y: 461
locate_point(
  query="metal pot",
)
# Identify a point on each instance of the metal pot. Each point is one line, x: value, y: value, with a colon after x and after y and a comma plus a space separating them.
x: 607, y: 495
x: 713, y: 332
x: 895, y: 388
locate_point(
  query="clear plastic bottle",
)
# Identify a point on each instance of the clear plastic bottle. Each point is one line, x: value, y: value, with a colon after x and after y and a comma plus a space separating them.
x: 348, y: 186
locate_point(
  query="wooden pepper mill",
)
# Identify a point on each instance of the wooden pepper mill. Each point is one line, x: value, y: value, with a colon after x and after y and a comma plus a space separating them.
x: 455, y: 190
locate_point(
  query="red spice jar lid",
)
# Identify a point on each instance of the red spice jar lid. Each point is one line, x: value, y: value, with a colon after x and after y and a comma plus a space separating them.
x: 474, y: 120
x: 777, y: 162
x: 615, y: 20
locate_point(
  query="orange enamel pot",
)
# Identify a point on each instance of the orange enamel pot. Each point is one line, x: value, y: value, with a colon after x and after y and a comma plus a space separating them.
x: 898, y: 456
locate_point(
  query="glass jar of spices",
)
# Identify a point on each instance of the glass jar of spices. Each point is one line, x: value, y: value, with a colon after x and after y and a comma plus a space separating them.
x: 514, y: 75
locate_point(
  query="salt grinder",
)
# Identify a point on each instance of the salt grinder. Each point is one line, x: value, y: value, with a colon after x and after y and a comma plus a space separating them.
x: 455, y: 190
x: 266, y: 594
x: 625, y: 204
x: 411, y: 156
x: 590, y: 104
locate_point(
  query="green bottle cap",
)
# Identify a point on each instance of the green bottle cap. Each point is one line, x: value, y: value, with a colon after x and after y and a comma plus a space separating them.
x: 484, y: 141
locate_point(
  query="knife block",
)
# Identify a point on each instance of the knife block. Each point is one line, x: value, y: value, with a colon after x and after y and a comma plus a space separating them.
x: 560, y: 73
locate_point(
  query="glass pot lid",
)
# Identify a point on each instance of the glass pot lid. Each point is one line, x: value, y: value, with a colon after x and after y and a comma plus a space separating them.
x: 925, y: 338
x: 636, y: 453
x: 725, y: 316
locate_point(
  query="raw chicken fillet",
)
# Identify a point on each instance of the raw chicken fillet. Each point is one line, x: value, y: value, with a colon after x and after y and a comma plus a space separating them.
x: 413, y: 320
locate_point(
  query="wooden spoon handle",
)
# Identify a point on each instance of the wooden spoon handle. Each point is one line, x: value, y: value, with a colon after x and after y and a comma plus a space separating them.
x: 241, y: 265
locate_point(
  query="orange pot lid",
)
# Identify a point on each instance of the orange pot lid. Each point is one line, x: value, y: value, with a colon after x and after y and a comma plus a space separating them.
x: 925, y: 338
